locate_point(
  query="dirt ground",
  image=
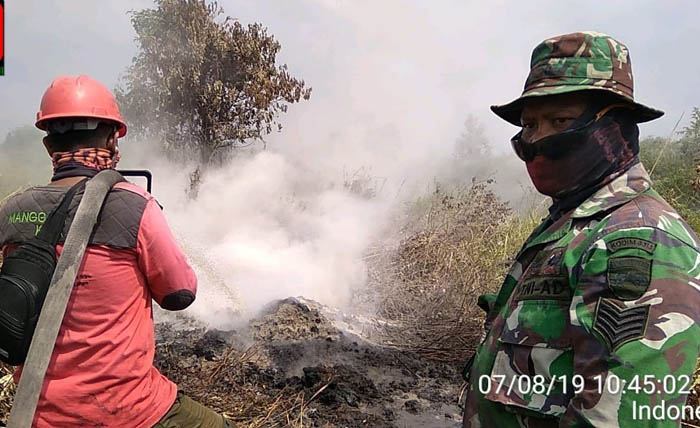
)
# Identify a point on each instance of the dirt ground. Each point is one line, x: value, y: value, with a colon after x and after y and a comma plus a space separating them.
x: 299, y: 364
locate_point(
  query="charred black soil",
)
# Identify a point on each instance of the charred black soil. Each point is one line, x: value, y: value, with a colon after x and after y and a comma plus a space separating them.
x: 291, y: 366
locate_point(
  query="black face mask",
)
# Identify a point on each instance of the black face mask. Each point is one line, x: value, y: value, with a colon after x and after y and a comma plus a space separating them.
x: 573, y: 164
x: 559, y: 145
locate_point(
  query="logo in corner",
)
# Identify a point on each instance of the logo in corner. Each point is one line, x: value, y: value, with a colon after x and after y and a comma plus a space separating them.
x: 2, y: 37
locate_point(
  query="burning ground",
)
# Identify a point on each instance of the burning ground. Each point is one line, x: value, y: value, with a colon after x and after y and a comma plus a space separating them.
x: 298, y: 363
x: 302, y: 364
x: 294, y: 366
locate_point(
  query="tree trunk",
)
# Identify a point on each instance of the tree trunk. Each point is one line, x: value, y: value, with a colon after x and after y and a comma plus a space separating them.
x: 205, y: 158
x: 205, y: 154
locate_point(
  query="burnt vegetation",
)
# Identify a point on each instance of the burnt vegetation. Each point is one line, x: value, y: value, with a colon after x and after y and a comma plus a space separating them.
x: 207, y: 84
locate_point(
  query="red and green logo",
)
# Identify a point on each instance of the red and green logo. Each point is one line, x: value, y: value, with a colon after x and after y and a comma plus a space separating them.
x: 2, y: 37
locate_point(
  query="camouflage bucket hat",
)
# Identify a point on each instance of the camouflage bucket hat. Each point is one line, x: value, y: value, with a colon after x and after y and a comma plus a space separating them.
x: 578, y: 62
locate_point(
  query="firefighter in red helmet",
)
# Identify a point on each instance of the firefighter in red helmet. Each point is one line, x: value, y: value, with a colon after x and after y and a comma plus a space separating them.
x: 101, y: 372
x: 83, y: 97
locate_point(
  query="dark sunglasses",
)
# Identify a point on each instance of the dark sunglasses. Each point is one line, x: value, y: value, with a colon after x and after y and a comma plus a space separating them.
x: 559, y: 145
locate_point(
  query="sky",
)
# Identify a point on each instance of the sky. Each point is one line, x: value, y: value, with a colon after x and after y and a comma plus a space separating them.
x: 411, y: 60
x: 393, y: 82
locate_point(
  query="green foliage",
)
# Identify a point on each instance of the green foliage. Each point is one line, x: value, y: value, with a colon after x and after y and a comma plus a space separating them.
x: 673, y: 164
x: 691, y: 133
x: 203, y: 83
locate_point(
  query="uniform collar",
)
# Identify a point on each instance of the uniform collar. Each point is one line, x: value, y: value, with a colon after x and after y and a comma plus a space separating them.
x: 619, y: 191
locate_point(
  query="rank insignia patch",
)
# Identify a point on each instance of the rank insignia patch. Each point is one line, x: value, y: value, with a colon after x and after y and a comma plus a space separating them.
x: 620, y: 325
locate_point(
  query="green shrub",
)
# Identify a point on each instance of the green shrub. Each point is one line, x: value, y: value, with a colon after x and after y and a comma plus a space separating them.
x: 673, y: 166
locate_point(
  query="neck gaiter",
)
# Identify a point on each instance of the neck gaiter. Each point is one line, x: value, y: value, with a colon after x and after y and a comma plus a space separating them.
x: 574, y: 164
x: 83, y: 162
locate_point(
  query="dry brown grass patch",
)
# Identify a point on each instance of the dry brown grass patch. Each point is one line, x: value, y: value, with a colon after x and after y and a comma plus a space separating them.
x: 454, y: 245
x: 7, y: 392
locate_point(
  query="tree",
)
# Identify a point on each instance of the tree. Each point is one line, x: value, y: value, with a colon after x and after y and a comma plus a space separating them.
x: 204, y: 83
x: 693, y: 130
x: 473, y: 157
x: 690, y: 136
x: 691, y: 145
x: 472, y: 145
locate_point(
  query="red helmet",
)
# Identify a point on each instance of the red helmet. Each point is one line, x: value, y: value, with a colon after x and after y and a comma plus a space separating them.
x: 81, y: 96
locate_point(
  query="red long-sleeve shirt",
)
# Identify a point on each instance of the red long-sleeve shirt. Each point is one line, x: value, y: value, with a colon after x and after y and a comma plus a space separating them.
x: 101, y: 373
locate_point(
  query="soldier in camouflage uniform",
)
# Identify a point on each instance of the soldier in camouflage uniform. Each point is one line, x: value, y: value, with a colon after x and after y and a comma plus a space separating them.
x: 598, y: 316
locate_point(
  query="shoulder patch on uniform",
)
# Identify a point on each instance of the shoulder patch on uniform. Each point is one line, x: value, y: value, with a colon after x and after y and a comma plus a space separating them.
x: 629, y: 276
x: 636, y: 243
x: 618, y: 326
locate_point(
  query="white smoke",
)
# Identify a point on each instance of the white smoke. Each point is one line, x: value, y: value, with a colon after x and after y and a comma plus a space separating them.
x: 392, y: 84
x: 265, y: 227
x: 281, y: 222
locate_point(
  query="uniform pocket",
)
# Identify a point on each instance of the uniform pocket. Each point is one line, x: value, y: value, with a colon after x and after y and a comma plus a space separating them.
x: 530, y: 374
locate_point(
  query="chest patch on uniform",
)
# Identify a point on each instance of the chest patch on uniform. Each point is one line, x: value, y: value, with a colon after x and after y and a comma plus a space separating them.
x: 629, y: 277
x: 544, y: 288
x: 545, y: 278
x: 552, y: 264
x: 547, y: 263
x: 620, y: 325
x: 636, y: 243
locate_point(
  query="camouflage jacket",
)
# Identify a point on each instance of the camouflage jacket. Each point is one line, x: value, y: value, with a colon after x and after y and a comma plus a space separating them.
x: 597, y: 320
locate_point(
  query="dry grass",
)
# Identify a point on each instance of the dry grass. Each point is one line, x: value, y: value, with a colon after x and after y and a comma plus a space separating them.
x: 237, y: 387
x: 454, y: 245
x: 694, y: 398
x: 225, y: 386
x: 7, y: 392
